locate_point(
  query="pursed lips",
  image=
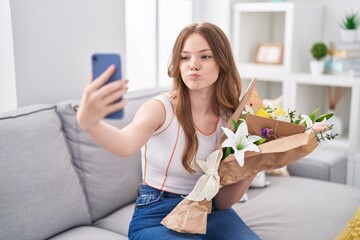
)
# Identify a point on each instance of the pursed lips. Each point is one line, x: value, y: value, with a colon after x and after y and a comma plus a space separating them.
x: 193, y: 76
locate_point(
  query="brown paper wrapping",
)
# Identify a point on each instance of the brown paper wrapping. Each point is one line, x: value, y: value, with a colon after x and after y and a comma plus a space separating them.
x: 280, y: 128
x: 274, y: 154
x: 255, y: 101
x: 189, y: 217
x: 291, y: 144
x: 245, y: 100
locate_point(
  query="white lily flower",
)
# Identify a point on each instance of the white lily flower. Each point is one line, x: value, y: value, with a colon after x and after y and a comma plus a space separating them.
x: 281, y: 117
x: 307, y: 120
x: 248, y: 110
x: 240, y: 142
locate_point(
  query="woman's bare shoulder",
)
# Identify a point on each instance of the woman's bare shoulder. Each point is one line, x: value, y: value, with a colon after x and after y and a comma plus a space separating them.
x: 151, y: 112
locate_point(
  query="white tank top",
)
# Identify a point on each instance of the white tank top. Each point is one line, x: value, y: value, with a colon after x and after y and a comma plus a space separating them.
x: 161, y: 156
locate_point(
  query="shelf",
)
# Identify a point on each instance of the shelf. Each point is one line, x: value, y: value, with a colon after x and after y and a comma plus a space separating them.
x: 304, y: 92
x: 313, y: 88
x: 325, y: 80
x: 259, y: 23
x: 250, y: 71
x: 297, y: 26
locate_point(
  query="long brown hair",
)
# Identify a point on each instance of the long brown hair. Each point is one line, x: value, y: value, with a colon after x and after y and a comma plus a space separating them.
x: 228, y: 84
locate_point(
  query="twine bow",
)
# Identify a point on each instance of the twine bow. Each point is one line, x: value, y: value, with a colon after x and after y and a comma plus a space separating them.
x: 208, y: 185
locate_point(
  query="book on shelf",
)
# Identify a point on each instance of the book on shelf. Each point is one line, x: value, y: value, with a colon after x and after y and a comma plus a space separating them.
x: 345, y: 46
x: 351, y: 73
x: 350, y: 67
x: 342, y: 53
x: 344, y: 50
x: 340, y: 64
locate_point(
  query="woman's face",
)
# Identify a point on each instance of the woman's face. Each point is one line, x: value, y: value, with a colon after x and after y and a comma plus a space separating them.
x: 198, y: 67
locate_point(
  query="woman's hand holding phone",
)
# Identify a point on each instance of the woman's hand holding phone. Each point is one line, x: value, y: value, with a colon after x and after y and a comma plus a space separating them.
x: 100, y: 99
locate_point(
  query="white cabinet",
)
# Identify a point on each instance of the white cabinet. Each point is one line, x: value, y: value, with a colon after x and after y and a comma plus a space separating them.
x: 295, y: 26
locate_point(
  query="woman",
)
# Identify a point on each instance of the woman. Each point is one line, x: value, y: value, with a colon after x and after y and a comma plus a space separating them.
x: 173, y: 130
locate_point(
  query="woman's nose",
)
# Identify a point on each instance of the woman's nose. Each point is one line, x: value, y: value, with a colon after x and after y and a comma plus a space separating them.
x: 194, y: 65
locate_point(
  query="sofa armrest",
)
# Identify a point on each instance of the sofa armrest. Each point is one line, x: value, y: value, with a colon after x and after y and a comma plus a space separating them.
x: 322, y: 164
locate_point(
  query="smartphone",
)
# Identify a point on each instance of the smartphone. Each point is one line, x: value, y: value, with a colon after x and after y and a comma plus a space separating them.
x: 100, y: 62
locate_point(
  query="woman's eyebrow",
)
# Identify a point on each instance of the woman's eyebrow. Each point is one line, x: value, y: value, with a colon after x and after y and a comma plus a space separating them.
x: 203, y: 50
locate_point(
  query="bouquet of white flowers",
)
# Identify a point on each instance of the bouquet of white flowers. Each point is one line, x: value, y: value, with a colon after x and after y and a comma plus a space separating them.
x: 269, y: 139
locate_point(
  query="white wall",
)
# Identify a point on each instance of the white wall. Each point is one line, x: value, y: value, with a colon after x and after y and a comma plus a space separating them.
x: 141, y: 43
x: 53, y: 42
x: 173, y: 16
x: 334, y: 12
x: 7, y: 67
x: 214, y: 11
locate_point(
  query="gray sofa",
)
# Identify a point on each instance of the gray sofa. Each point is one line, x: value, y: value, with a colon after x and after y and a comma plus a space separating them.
x: 56, y: 183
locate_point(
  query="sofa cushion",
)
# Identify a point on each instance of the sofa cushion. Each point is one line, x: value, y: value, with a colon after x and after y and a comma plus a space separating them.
x: 323, y: 164
x: 112, y: 221
x: 40, y: 192
x: 88, y: 233
x: 110, y: 181
x: 299, y: 208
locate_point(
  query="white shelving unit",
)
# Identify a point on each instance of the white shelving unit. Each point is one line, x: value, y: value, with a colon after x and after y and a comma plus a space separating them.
x: 349, y: 115
x: 303, y: 92
x: 297, y: 27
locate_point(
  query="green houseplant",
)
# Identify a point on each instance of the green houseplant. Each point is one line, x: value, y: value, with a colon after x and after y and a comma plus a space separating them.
x: 350, y: 21
x: 349, y: 25
x: 319, y: 50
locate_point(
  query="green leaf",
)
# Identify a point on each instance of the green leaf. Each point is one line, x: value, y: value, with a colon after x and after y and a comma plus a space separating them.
x: 324, y: 116
x: 297, y: 121
x: 236, y: 125
x: 260, y: 141
x: 313, y: 114
x: 227, y: 152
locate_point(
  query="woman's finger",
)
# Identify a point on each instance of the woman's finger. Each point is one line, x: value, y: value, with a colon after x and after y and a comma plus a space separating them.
x: 116, y: 106
x: 102, y: 79
x: 114, y: 96
x: 110, y: 88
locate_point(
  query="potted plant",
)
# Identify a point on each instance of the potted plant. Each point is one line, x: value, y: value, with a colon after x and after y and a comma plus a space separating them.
x: 319, y: 50
x: 349, y: 25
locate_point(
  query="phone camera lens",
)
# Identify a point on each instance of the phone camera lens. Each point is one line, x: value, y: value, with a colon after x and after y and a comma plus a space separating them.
x: 94, y: 58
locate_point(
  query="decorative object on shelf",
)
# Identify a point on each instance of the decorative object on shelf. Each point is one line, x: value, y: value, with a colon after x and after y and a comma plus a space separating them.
x: 349, y: 25
x: 269, y: 53
x: 319, y: 50
x: 344, y: 59
x: 334, y: 96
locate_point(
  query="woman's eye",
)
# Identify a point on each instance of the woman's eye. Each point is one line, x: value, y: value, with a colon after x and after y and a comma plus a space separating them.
x: 184, y: 58
x: 206, y: 57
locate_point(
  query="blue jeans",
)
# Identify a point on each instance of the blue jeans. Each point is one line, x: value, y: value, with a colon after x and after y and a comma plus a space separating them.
x: 152, y: 205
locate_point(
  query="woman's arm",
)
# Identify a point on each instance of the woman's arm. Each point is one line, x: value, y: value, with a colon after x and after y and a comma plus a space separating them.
x: 98, y: 101
x: 231, y: 194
